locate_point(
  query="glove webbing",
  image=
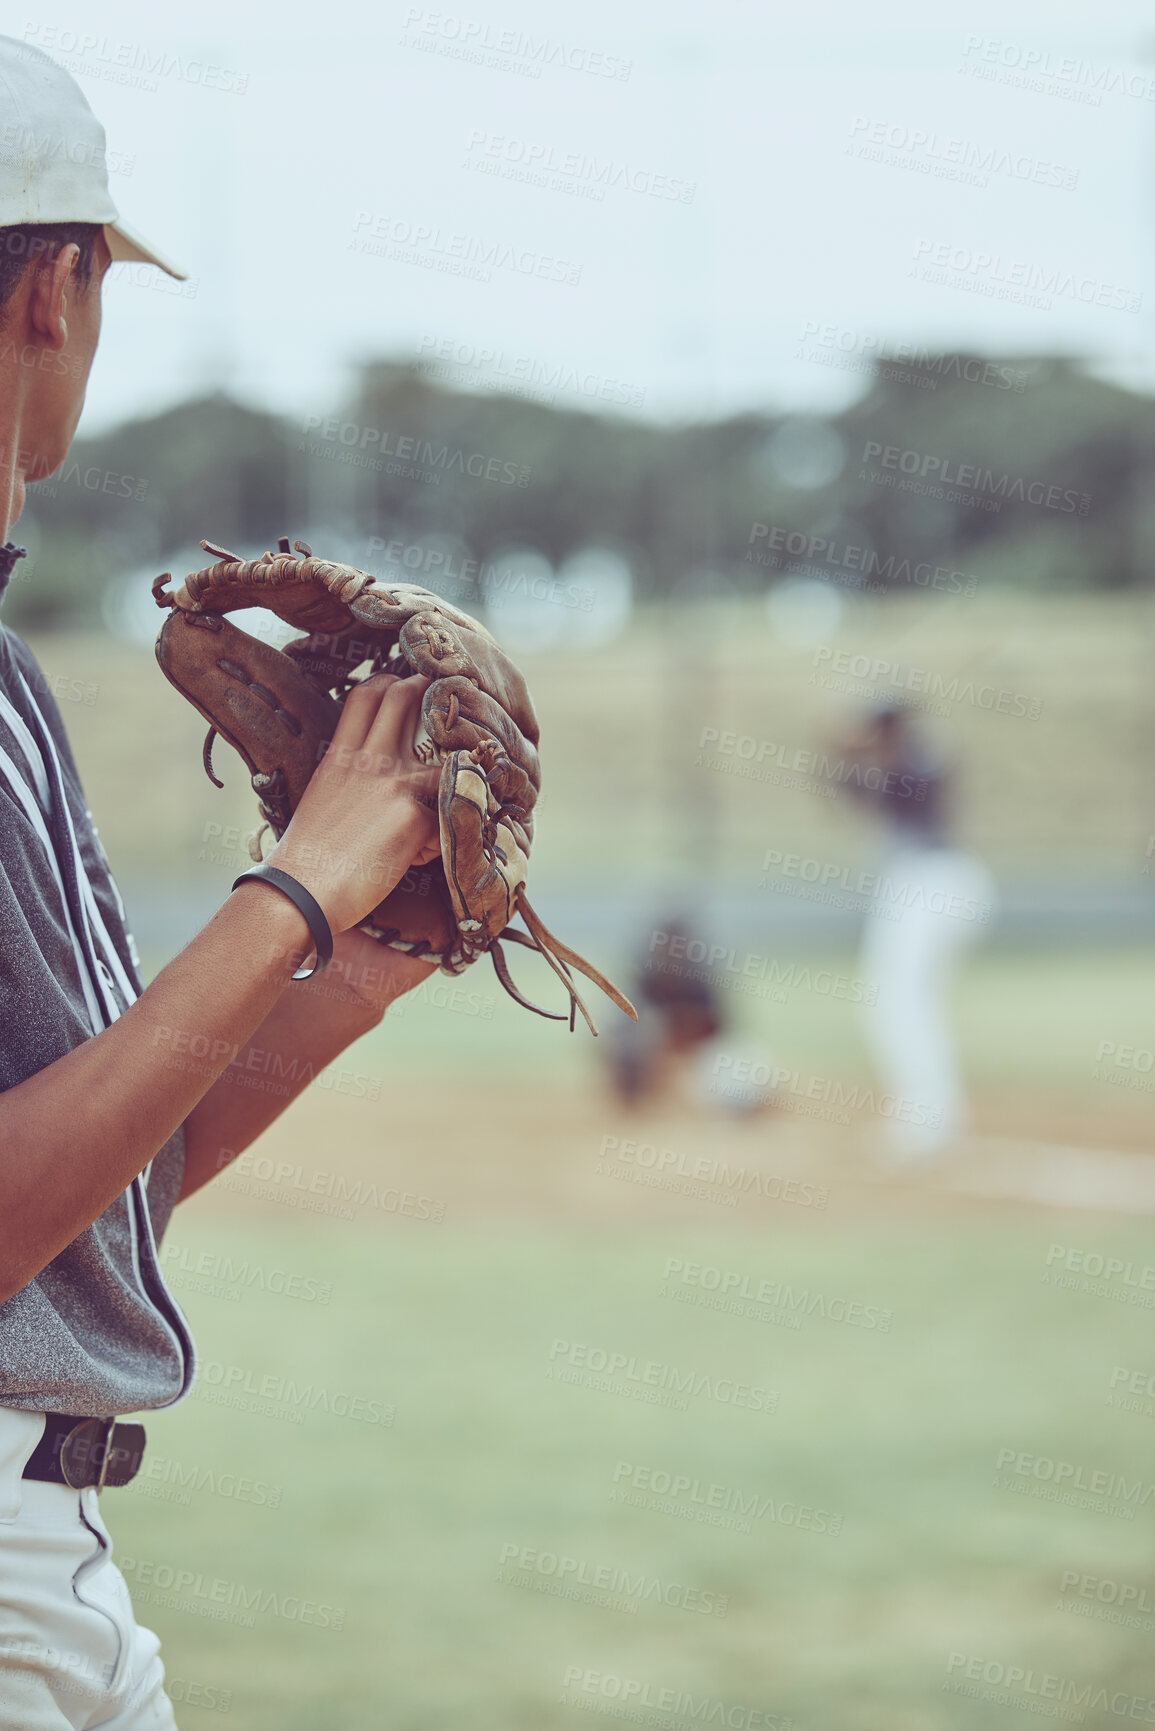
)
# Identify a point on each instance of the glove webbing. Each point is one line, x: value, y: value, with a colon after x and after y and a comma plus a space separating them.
x: 560, y: 958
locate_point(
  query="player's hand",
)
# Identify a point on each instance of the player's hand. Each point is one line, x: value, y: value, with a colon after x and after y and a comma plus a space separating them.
x: 370, y: 810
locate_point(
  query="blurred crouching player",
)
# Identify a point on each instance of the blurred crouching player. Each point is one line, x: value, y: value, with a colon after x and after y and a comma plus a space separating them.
x: 679, y: 1012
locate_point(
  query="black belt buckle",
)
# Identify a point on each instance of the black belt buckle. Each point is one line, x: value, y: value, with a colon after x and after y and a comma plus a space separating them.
x: 100, y: 1452
x: 87, y: 1453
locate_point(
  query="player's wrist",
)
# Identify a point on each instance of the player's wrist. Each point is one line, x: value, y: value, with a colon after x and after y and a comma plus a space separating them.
x: 348, y: 883
x: 317, y: 870
x: 277, y: 930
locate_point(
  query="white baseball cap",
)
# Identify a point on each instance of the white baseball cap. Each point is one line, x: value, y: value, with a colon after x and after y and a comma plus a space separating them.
x: 52, y: 155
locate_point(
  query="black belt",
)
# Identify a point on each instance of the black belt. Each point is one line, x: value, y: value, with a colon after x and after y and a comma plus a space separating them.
x: 82, y: 1452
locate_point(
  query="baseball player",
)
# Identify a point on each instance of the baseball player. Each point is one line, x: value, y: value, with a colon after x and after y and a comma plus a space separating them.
x: 101, y: 1131
x: 680, y: 1013
x: 932, y: 903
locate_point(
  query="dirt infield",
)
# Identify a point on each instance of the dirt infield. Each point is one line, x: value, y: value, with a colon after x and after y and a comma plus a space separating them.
x: 558, y: 1151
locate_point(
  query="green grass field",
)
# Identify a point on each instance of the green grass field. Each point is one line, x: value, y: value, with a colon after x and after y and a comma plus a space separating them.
x: 920, y: 1562
x: 404, y: 1527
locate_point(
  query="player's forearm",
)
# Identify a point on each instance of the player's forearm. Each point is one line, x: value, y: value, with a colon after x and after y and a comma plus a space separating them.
x: 77, y: 1132
x: 304, y: 1032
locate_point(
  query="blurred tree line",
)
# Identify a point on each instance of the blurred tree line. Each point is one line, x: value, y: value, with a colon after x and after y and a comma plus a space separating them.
x: 948, y: 470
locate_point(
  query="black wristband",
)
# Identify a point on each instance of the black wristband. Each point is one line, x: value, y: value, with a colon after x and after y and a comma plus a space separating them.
x: 306, y: 905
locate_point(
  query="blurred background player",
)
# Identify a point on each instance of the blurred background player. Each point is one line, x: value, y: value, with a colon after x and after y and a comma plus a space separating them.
x: 679, y: 1012
x: 932, y: 900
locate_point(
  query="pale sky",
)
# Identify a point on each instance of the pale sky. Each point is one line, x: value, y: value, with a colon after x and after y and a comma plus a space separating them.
x: 790, y: 248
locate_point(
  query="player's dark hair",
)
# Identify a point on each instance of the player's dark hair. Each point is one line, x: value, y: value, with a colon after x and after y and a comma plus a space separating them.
x: 39, y: 243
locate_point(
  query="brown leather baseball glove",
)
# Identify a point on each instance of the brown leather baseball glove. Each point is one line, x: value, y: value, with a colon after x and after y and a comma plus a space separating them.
x: 279, y: 708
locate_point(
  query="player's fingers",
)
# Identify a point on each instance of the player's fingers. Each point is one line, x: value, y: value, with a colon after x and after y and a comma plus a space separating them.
x: 392, y: 733
x: 360, y: 708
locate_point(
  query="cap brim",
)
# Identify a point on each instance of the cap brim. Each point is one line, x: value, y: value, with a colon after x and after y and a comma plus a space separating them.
x: 127, y: 247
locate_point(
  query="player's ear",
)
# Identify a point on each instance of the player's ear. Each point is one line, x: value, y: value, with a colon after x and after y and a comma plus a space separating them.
x: 52, y: 288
